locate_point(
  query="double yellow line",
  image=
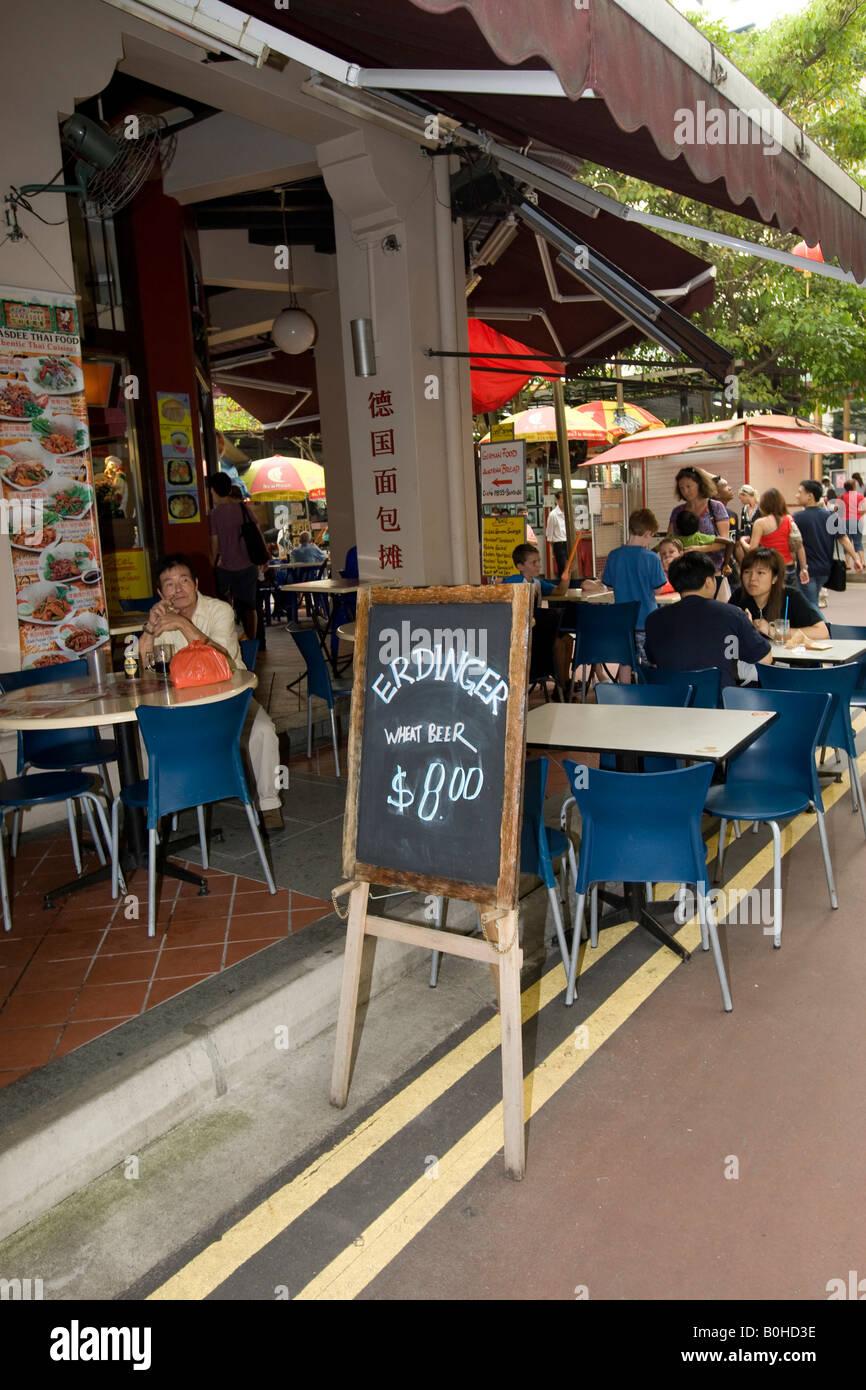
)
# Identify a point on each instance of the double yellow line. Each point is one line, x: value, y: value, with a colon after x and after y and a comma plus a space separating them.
x: 354, y: 1268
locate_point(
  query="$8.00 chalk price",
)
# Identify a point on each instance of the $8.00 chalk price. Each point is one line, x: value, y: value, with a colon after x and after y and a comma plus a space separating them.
x: 465, y: 784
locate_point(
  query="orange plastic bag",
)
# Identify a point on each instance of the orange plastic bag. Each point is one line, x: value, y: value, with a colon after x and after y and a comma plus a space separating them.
x: 199, y: 664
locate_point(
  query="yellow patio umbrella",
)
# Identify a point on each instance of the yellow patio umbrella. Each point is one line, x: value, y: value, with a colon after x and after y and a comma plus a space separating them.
x: 281, y: 478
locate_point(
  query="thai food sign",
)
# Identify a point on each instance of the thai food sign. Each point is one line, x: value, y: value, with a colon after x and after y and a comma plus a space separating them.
x: 46, y: 475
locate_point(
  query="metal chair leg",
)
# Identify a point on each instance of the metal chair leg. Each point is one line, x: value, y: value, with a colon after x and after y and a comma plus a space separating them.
x: 202, y: 836
x: 92, y: 828
x: 777, y: 883
x: 16, y: 827
x: 309, y: 725
x: 106, y: 785
x: 828, y: 867
x: 257, y: 841
x: 151, y: 883
x: 593, y: 917
x: 571, y: 968
x: 334, y: 741
x: 4, y: 884
x: 857, y: 791
x: 708, y: 926
x: 560, y: 932
x: 73, y: 835
x: 720, y: 856
x: 436, y: 956
x: 115, y: 853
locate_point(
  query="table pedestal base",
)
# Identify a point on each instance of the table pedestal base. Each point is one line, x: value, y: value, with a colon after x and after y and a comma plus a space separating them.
x: 129, y: 862
x: 632, y: 907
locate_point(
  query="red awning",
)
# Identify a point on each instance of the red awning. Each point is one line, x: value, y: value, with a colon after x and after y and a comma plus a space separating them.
x: 808, y: 440
x: 644, y: 446
x: 639, y: 80
x: 491, y: 389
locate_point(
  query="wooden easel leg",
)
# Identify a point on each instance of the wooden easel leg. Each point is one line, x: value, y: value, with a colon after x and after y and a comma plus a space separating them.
x: 512, y: 1046
x: 341, y: 1075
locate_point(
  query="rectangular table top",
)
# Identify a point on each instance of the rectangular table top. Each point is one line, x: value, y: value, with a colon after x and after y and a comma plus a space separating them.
x: 837, y: 653
x: 580, y: 596
x: 323, y: 586
x: 81, y: 704
x: 651, y: 730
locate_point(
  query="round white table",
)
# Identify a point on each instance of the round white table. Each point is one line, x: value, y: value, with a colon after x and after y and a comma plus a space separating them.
x: 346, y: 632
x: 87, y: 703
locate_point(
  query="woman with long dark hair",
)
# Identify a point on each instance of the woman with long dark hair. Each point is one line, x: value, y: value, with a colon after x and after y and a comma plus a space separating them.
x: 765, y: 596
x: 696, y: 493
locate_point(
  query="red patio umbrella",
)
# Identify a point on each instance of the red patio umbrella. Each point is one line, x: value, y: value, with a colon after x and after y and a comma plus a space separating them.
x: 497, y: 384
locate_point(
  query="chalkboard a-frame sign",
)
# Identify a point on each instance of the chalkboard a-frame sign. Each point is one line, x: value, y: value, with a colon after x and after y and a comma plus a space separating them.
x: 437, y: 741
x: 436, y: 754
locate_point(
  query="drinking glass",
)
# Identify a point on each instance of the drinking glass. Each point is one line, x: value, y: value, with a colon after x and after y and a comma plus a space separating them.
x: 159, y: 659
x: 779, y: 631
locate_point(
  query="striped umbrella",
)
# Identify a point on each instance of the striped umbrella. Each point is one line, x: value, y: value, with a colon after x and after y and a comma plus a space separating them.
x: 283, y: 479
x: 620, y: 420
x: 538, y: 426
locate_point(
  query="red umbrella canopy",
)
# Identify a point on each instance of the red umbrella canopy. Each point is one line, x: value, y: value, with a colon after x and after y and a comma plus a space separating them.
x: 281, y: 479
x: 491, y: 388
x: 620, y: 420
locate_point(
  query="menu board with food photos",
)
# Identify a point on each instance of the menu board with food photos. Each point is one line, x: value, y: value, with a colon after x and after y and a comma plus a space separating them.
x: 46, y: 475
x: 178, y: 456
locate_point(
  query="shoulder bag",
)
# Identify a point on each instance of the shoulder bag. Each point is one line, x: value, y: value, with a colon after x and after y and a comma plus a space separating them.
x: 253, y: 538
x: 838, y: 576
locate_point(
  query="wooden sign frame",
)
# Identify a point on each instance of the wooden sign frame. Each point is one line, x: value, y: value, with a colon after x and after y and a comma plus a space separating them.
x: 504, y: 892
x: 497, y: 903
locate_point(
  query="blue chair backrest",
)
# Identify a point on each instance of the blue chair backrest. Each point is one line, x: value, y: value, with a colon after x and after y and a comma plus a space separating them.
x: 640, y: 826
x: 350, y: 566
x: 249, y: 651
x: 844, y: 632
x: 838, y: 681
x: 608, y: 693
x: 318, y: 675
x: 32, y: 742
x: 706, y: 683
x: 605, y: 632
x: 784, y: 752
x: 534, y: 848
x: 193, y: 754
x: 304, y: 574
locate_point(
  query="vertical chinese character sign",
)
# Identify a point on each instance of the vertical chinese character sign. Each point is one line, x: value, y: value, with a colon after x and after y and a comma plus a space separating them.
x: 46, y: 473
x: 385, y: 481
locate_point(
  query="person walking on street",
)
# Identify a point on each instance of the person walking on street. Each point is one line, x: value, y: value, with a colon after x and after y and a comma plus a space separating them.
x: 236, y: 572
x: 557, y: 535
x: 818, y: 526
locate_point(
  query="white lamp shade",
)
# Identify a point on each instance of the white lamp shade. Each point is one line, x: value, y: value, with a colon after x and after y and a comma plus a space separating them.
x: 294, y: 331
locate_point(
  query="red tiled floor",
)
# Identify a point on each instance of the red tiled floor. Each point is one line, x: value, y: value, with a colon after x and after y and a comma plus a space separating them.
x: 38, y: 1008
x: 8, y: 1076
x: 122, y: 968
x: 54, y: 974
x: 27, y: 1047
x: 261, y: 901
x: 308, y: 915
x: 67, y: 945
x: 109, y: 1001
x: 189, y: 960
x: 193, y: 933
x: 258, y: 924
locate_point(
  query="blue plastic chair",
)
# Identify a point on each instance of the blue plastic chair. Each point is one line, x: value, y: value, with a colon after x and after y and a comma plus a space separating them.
x: 319, y: 683
x: 194, y: 758
x: 845, y: 632
x: 775, y: 778
x: 642, y: 827
x: 58, y: 750
x: 305, y: 574
x: 44, y: 789
x: 609, y: 693
x: 605, y: 633
x: 249, y: 651
x: 138, y: 605
x: 540, y: 845
x: 840, y: 683
x: 705, y: 683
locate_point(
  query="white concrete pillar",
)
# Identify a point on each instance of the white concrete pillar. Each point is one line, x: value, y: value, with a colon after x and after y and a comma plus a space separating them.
x: 399, y: 264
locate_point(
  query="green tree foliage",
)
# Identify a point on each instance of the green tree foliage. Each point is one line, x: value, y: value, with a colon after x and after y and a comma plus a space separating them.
x: 800, y: 350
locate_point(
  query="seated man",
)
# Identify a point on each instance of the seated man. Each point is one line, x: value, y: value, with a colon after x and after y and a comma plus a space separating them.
x: 698, y: 631
x: 550, y: 651
x: 306, y: 553
x: 183, y: 615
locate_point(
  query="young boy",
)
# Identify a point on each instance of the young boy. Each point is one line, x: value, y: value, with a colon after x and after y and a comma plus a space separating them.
x: 550, y: 650
x: 634, y: 571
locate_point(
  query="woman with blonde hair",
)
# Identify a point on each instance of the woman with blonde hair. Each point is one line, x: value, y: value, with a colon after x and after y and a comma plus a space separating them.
x: 775, y: 530
x: 750, y: 510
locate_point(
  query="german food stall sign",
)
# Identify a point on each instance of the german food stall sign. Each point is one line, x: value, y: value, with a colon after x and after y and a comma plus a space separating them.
x: 436, y: 754
x: 503, y: 472
x: 46, y: 475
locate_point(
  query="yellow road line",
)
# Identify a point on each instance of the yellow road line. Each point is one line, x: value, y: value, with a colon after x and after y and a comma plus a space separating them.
x: 218, y: 1261
x: 213, y: 1265
x: 358, y: 1264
